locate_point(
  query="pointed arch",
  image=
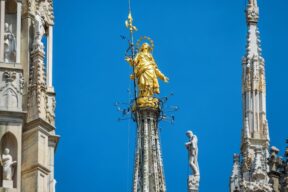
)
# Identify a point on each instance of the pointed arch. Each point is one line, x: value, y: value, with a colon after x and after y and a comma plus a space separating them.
x: 9, y: 99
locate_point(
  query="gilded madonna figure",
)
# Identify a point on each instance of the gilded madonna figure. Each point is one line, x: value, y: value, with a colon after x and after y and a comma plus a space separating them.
x: 146, y: 73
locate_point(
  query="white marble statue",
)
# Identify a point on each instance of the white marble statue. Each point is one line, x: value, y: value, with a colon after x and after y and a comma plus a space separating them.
x: 39, y: 30
x: 9, y: 44
x: 7, y: 163
x: 192, y: 147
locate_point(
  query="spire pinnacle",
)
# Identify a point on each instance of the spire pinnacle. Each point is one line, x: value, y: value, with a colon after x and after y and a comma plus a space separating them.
x: 253, y: 2
x: 252, y: 12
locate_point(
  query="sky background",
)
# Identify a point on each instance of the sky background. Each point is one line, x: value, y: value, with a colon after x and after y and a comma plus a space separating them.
x: 198, y: 45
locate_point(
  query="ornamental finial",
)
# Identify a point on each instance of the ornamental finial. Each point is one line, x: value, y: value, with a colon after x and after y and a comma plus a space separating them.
x: 252, y: 12
x: 129, y: 23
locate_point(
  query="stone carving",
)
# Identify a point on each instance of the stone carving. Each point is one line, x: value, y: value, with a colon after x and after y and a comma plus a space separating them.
x: 9, y: 44
x: 9, y: 76
x: 248, y: 159
x: 50, y: 108
x: 36, y: 104
x: 247, y: 84
x: 236, y: 175
x: 248, y: 186
x: 46, y: 8
x: 192, y: 147
x: 11, y: 90
x: 259, y: 178
x: 8, y: 168
x: 39, y: 31
x: 252, y: 12
x: 262, y: 85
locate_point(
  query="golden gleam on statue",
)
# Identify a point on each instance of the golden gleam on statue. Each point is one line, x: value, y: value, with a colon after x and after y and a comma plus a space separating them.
x: 146, y: 73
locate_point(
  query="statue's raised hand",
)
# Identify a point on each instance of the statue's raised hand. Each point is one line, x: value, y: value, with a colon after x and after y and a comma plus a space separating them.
x: 166, y: 79
x: 132, y: 77
x: 129, y: 60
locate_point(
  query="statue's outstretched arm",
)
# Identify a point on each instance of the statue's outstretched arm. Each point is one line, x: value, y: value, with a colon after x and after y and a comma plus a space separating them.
x: 161, y: 75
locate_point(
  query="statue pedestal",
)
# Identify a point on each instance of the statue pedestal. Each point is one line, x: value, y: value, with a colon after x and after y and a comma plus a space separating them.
x: 193, y: 183
x: 7, y: 184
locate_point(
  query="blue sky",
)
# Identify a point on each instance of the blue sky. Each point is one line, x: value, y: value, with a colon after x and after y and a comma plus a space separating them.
x: 199, y: 46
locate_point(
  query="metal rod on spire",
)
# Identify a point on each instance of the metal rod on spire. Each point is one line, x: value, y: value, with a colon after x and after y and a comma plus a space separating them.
x: 132, y: 28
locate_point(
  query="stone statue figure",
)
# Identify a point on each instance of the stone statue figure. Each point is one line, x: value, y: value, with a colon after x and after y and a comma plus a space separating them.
x: 146, y: 71
x: 7, y: 163
x: 9, y: 44
x: 39, y: 30
x: 192, y: 147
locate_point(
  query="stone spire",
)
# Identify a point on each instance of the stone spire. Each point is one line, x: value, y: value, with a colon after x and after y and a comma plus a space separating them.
x: 255, y: 132
x: 255, y: 125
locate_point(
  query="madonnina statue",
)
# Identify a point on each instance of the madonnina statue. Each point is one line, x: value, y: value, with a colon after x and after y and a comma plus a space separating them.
x: 146, y: 72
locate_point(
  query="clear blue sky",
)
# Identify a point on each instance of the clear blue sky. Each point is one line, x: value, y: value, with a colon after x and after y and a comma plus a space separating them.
x: 198, y: 45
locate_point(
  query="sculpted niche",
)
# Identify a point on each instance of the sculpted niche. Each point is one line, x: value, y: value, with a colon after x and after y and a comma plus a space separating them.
x: 9, y: 44
x: 8, y: 161
x: 10, y: 24
x: 8, y: 164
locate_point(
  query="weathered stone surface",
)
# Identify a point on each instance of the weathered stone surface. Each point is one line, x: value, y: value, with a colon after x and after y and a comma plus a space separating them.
x: 27, y: 104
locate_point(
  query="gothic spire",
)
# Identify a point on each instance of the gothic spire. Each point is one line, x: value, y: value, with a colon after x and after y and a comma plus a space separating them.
x: 253, y: 41
x: 255, y: 131
x: 254, y: 83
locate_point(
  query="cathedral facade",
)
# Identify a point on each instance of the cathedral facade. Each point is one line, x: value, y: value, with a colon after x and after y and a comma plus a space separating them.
x: 27, y: 99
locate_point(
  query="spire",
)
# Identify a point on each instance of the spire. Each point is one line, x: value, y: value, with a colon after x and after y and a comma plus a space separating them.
x: 252, y: 12
x: 253, y: 41
x: 255, y: 131
x: 254, y: 82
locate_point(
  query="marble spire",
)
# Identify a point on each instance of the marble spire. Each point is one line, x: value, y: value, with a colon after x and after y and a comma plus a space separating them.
x: 252, y: 173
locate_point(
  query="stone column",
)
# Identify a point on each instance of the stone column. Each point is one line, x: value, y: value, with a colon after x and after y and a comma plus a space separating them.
x: 50, y: 57
x: 18, y: 50
x: 53, y: 140
x: 2, y: 22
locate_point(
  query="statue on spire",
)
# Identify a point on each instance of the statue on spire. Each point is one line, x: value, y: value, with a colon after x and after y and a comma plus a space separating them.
x: 192, y: 147
x: 147, y: 73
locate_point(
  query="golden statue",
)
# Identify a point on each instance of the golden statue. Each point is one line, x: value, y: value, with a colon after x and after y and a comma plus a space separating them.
x: 146, y: 72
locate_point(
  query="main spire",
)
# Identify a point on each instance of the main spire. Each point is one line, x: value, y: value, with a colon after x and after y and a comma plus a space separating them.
x: 146, y: 108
